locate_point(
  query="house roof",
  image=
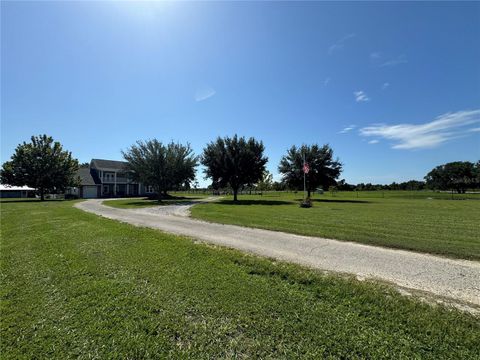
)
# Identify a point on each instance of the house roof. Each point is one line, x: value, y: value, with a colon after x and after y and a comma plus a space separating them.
x: 4, y: 187
x: 86, y: 177
x: 109, y: 164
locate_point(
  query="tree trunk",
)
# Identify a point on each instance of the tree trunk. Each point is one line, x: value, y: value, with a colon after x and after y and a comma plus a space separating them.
x: 235, y: 192
x: 42, y: 194
x: 308, y: 192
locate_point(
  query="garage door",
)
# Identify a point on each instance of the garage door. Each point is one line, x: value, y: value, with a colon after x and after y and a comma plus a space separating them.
x: 89, y: 192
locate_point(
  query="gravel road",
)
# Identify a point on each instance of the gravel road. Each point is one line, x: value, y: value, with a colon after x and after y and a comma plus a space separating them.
x: 453, y: 281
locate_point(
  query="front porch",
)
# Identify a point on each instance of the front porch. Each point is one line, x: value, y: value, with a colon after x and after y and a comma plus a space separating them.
x: 120, y: 190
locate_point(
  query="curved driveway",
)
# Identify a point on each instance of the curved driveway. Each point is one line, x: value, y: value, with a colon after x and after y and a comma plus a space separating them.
x: 456, y: 281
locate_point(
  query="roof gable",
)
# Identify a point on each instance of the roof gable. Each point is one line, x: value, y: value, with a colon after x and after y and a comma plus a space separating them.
x: 87, y: 178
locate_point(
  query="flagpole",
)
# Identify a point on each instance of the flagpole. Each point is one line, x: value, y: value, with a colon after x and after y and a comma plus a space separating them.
x: 304, y: 181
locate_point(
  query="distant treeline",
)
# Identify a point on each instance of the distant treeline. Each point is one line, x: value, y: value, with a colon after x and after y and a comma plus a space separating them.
x: 341, y: 186
x: 458, y: 176
x: 407, y: 185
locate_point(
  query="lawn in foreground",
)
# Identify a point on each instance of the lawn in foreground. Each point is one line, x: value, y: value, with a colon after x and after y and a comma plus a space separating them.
x: 77, y: 285
x: 415, y: 221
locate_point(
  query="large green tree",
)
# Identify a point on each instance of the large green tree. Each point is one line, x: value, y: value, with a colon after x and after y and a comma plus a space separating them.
x: 164, y: 167
x: 324, y: 169
x: 457, y: 175
x: 41, y: 164
x: 234, y: 162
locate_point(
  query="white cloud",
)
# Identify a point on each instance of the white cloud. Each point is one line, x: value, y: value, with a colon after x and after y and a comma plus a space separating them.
x: 340, y: 44
x: 385, y: 85
x: 428, y: 135
x: 373, y: 141
x: 475, y: 129
x: 204, y: 93
x: 360, y: 96
x: 326, y: 81
x: 347, y: 129
x: 401, y: 59
x: 375, y: 55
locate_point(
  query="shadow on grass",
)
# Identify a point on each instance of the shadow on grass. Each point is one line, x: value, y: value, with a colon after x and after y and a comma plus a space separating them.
x: 150, y: 201
x: 341, y: 201
x: 143, y: 203
x: 254, y: 202
x: 174, y: 198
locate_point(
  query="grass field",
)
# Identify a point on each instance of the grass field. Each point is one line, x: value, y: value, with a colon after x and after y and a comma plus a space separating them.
x: 420, y: 221
x: 140, y: 202
x: 74, y: 285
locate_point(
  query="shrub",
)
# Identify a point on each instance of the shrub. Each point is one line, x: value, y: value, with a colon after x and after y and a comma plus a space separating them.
x: 307, y: 203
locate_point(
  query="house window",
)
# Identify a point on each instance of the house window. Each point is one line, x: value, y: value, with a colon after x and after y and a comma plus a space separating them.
x: 149, y: 189
x: 105, y: 189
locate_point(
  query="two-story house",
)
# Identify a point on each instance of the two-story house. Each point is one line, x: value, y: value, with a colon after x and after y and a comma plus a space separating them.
x: 108, y: 178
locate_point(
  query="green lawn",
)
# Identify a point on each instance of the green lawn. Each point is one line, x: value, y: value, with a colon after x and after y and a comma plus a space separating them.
x: 132, y: 203
x: 420, y: 221
x: 74, y: 285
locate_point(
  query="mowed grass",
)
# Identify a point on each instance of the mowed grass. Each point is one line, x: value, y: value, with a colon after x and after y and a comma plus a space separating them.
x: 141, y: 202
x: 419, y: 221
x: 74, y: 285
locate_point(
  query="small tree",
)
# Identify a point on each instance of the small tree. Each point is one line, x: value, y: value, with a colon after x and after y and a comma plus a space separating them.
x: 41, y: 164
x: 266, y: 182
x: 458, y: 176
x: 279, y: 186
x: 164, y: 167
x: 324, y: 170
x: 234, y: 161
x: 333, y: 190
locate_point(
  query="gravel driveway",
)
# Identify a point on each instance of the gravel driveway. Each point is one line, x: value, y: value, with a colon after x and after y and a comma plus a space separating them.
x: 451, y: 281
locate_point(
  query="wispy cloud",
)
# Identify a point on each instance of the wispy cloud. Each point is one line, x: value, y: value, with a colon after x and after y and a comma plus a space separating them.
x: 428, y: 135
x: 347, y: 129
x: 360, y: 96
x: 340, y: 44
x: 326, y: 81
x: 379, y: 59
x: 401, y: 59
x: 385, y: 85
x: 204, y: 93
x: 375, y: 141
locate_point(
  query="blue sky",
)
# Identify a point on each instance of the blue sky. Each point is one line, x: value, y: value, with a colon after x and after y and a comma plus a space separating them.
x: 394, y: 88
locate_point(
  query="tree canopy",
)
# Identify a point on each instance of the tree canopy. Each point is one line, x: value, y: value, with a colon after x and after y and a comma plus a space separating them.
x: 234, y: 162
x: 164, y: 167
x: 324, y: 170
x: 457, y: 175
x: 41, y: 164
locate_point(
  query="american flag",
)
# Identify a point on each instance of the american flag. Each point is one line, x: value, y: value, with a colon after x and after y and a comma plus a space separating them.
x: 306, y: 168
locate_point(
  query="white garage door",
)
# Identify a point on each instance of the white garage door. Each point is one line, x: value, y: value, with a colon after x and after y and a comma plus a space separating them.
x: 89, y: 192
